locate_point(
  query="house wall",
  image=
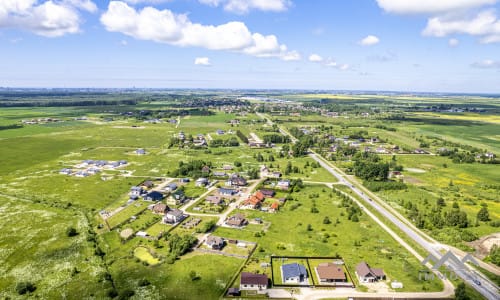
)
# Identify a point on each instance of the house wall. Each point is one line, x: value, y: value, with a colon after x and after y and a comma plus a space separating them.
x: 252, y: 287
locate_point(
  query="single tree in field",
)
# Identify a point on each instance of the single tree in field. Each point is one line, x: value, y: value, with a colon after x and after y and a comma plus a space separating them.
x: 483, y: 214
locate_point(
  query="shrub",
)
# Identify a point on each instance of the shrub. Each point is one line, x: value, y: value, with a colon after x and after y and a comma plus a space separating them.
x: 143, y: 282
x: 71, y: 231
x: 24, y: 287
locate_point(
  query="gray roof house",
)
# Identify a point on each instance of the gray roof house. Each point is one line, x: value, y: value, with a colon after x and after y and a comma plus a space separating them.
x: 174, y: 216
x: 215, y: 242
x: 294, y: 273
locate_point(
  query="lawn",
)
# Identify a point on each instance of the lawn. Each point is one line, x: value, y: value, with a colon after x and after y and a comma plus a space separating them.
x: 366, y: 241
x: 145, y: 255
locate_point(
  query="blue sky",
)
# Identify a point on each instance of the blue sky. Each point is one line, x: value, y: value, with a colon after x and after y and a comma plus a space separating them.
x: 402, y: 45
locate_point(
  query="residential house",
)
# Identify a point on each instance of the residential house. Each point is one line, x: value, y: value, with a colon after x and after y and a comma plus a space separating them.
x: 219, y: 174
x: 65, y: 171
x: 227, y: 167
x: 171, y: 187
x: 205, y: 169
x: 154, y: 196
x: 267, y: 193
x: 147, y: 184
x: 329, y: 272
x: 201, y: 181
x: 274, y: 207
x: 233, y: 292
x: 82, y: 174
x: 184, y: 180
x: 215, y: 242
x: 122, y: 162
x: 176, y: 197
x: 283, y: 184
x: 215, y: 200
x: 236, y: 180
x: 160, y: 208
x: 251, y: 203
x: 219, y: 132
x: 136, y: 191
x: 174, y: 216
x: 275, y: 174
x: 395, y: 174
x: 367, y: 274
x: 259, y: 195
x: 234, y: 122
x: 237, y: 220
x: 227, y: 192
x: 293, y: 273
x: 93, y: 170
x: 252, y: 281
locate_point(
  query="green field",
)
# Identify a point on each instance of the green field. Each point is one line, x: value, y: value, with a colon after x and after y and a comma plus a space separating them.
x: 39, y: 205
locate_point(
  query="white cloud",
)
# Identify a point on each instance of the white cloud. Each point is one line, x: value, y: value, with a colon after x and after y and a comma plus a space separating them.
x: 291, y: 56
x: 244, y: 6
x: 331, y: 63
x: 134, y: 2
x: 430, y: 6
x: 163, y: 26
x: 485, y: 25
x: 315, y: 58
x: 123, y: 42
x: 49, y: 18
x: 82, y: 4
x: 344, y: 67
x: 486, y: 64
x: 453, y: 42
x: 369, y: 41
x: 202, y: 61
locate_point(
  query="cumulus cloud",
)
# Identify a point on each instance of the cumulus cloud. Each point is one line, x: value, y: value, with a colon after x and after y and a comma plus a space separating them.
x: 202, y: 61
x: 49, y: 18
x: 369, y: 41
x: 485, y: 25
x: 430, y: 6
x: 244, y: 6
x: 164, y: 26
x: 315, y: 58
x: 486, y: 64
x: 453, y: 42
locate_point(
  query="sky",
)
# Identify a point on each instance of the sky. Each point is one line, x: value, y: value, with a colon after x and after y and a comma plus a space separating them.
x: 389, y: 45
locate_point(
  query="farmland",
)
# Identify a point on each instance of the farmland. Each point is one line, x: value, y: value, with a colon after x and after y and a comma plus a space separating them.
x: 40, y: 205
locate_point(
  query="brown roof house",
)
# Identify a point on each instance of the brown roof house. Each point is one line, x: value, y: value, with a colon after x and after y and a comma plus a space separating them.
x: 237, y: 220
x: 329, y: 272
x: 251, y: 281
x: 367, y: 274
x: 160, y: 208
